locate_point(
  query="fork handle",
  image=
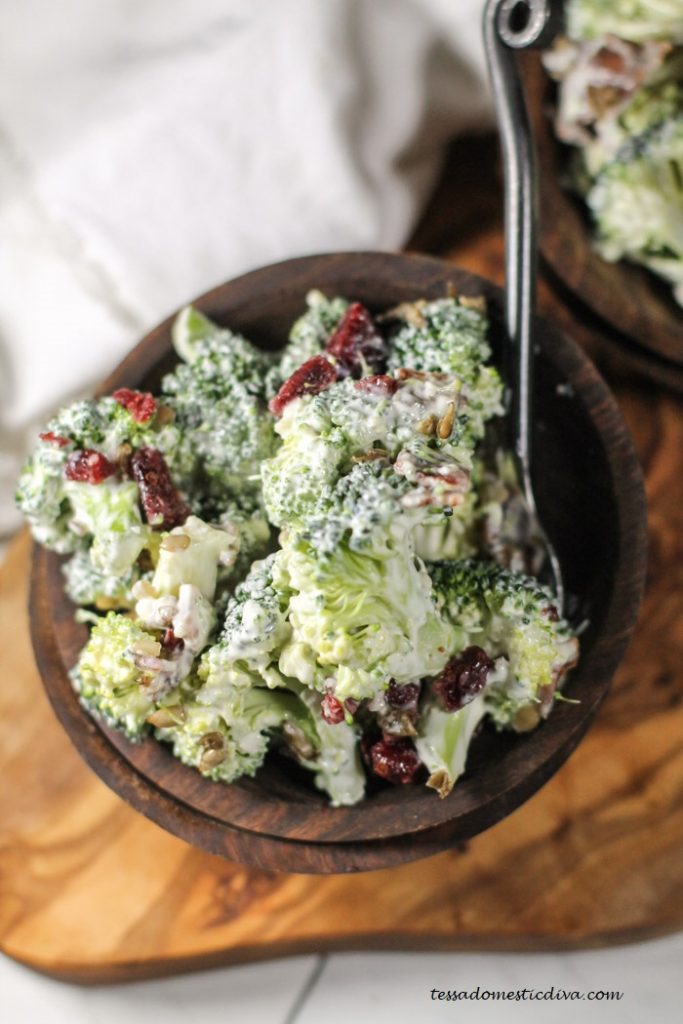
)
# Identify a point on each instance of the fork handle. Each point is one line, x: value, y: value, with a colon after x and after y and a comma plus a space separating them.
x: 511, y: 25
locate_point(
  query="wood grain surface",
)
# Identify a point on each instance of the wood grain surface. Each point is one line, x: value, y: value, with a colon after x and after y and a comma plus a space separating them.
x: 92, y: 891
x: 589, y: 490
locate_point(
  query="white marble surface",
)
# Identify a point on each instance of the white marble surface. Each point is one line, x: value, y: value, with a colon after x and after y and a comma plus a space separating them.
x: 377, y: 988
x: 112, y: 148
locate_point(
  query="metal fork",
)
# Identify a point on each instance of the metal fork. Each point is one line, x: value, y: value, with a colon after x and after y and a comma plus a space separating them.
x: 511, y: 25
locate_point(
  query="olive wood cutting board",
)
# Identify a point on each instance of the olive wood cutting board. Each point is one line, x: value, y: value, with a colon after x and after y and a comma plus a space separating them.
x: 92, y: 891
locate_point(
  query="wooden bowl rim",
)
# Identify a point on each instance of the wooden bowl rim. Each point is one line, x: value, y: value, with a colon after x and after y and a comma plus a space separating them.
x: 333, y: 849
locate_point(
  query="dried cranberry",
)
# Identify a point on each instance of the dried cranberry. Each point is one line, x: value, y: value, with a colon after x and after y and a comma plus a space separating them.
x: 378, y: 384
x: 405, y: 696
x: 332, y: 710
x: 88, y: 467
x: 170, y: 643
x: 395, y: 759
x: 162, y: 504
x: 356, y: 344
x: 463, y: 678
x: 52, y: 438
x: 312, y: 377
x: 140, y: 404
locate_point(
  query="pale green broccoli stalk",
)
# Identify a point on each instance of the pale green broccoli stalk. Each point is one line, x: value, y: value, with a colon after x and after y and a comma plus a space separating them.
x: 334, y: 758
x: 451, y: 533
x: 637, y: 203
x: 515, y: 620
x: 86, y: 584
x: 107, y: 678
x: 443, y: 740
x: 243, y: 512
x: 191, y: 330
x: 194, y: 553
x: 310, y: 332
x: 219, y: 399
x: 109, y: 513
x: 634, y: 20
x: 255, y: 537
x: 368, y: 617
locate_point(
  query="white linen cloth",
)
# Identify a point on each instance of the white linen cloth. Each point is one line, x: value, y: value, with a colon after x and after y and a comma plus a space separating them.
x: 151, y: 148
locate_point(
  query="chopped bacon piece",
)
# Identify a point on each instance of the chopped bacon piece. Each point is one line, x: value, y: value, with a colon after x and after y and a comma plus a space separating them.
x: 463, y: 678
x: 140, y: 404
x: 162, y: 504
x: 88, y: 467
x: 170, y: 643
x: 378, y: 384
x: 312, y: 377
x: 332, y: 710
x: 356, y: 344
x: 51, y: 438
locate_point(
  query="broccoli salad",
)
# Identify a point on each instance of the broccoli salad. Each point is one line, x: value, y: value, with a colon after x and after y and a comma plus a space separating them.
x: 620, y: 102
x: 305, y: 552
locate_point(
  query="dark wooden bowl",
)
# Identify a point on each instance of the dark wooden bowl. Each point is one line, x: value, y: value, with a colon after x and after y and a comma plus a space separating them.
x: 628, y: 299
x: 591, y: 497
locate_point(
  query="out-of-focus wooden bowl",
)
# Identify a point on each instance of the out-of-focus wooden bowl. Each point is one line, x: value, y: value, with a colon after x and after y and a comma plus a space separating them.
x: 591, y: 498
x: 627, y: 298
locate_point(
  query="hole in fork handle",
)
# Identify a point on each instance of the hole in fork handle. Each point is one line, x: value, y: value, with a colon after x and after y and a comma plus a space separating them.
x: 529, y: 23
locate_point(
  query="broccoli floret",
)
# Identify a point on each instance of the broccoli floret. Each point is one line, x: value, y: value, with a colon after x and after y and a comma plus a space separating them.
x: 371, y: 509
x: 634, y: 20
x: 86, y: 584
x: 219, y: 399
x: 443, y: 336
x: 62, y: 513
x: 107, y: 678
x: 254, y: 631
x: 228, y: 737
x: 364, y: 510
x: 637, y: 203
x: 324, y: 434
x: 368, y: 617
x: 514, y: 619
x: 450, y: 336
x: 42, y: 500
